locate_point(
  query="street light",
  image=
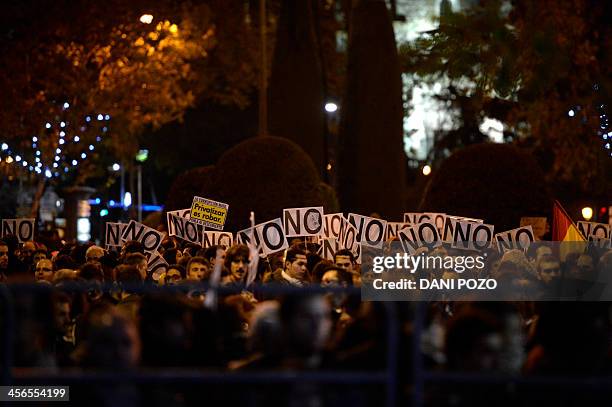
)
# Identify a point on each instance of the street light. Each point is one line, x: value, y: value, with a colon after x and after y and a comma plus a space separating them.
x: 331, y: 107
x: 146, y: 18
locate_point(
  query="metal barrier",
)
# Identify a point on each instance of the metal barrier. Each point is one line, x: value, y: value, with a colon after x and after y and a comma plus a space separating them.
x: 41, y: 376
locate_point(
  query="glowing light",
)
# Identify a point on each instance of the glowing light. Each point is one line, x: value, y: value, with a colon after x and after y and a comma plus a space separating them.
x: 58, y: 150
x: 62, y: 133
x: 48, y: 125
x: 62, y: 124
x: 76, y: 139
x: 9, y: 159
x: 17, y: 158
x: 426, y: 170
x: 66, y: 105
x: 48, y: 173
x: 98, y: 139
x: 127, y: 199
x: 331, y: 107
x: 571, y: 113
x: 37, y: 152
x: 4, y: 146
x: 146, y: 18
x: 107, y: 117
x: 173, y: 29
x: 116, y: 167
x: 91, y: 147
x: 105, y: 129
x: 55, y: 165
x: 65, y: 169
x: 83, y: 156
x: 587, y: 213
x: 25, y: 163
x: 56, y: 158
x: 103, y: 212
x: 100, y: 117
x: 37, y: 159
x: 87, y: 119
x: 61, y: 141
x: 34, y: 139
x: 31, y: 168
x: 74, y: 162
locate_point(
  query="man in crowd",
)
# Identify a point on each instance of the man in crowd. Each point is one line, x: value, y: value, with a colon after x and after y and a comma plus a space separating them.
x: 44, y: 271
x: 346, y: 259
x: 94, y: 253
x: 236, y: 264
x: 197, y: 269
x: 295, y: 271
x: 139, y: 261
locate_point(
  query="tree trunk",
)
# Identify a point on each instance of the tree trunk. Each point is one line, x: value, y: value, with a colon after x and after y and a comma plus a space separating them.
x: 372, y: 158
x: 296, y: 83
x: 40, y: 190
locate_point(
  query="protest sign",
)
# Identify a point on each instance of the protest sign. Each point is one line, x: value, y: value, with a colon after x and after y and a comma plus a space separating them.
x: 181, y: 213
x: 519, y: 238
x: 333, y: 224
x: 597, y: 233
x: 349, y: 241
x: 328, y: 248
x: 370, y: 231
x: 23, y: 228
x: 217, y: 238
x: 471, y: 235
x: 268, y: 237
x: 303, y: 221
x: 113, y: 234
x: 419, y: 235
x: 185, y: 229
x: 208, y: 213
x: 538, y: 225
x: 393, y: 228
x: 150, y: 238
x: 156, y: 264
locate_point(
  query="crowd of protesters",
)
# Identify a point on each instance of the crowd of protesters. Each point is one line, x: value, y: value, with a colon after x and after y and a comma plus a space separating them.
x: 84, y: 307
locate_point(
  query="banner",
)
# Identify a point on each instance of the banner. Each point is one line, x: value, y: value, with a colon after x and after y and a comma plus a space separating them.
x: 208, y: 213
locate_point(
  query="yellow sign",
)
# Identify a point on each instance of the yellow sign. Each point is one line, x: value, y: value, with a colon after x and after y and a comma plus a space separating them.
x: 211, y: 214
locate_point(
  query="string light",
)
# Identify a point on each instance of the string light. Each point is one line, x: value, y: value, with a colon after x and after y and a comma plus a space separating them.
x: 61, y: 141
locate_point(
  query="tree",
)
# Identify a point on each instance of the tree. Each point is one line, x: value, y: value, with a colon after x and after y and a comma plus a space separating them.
x: 372, y: 171
x: 139, y: 75
x: 494, y: 182
x: 296, y: 83
x: 527, y: 66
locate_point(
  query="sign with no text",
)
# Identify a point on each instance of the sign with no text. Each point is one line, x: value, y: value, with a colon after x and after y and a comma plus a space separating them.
x: 206, y: 212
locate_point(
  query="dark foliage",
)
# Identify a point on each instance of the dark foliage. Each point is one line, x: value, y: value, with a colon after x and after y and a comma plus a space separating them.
x: 494, y: 182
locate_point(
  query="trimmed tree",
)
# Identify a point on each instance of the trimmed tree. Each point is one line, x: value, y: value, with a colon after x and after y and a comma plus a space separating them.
x: 371, y: 157
x: 495, y: 182
x: 296, y: 83
x: 265, y: 175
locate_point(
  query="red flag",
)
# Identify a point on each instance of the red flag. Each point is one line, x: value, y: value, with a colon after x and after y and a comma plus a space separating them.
x: 563, y: 229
